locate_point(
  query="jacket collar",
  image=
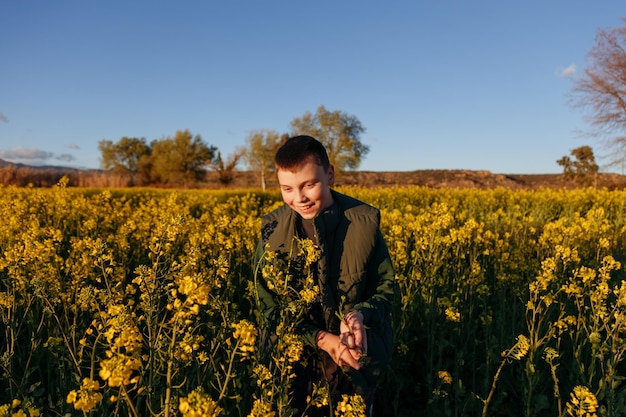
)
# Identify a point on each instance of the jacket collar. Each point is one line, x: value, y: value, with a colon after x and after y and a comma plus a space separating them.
x: 328, y: 220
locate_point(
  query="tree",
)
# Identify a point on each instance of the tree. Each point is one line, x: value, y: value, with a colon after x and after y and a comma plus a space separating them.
x: 226, y: 170
x: 128, y: 157
x: 583, y: 167
x: 601, y: 90
x: 339, y: 132
x: 182, y: 159
x: 261, y: 146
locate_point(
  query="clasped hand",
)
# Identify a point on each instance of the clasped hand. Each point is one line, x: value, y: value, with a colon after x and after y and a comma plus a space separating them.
x: 351, y: 343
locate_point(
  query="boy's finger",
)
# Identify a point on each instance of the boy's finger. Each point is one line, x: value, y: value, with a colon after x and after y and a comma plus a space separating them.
x: 346, y: 358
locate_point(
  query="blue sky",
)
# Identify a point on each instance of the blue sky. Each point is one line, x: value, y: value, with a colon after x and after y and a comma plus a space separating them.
x: 455, y: 84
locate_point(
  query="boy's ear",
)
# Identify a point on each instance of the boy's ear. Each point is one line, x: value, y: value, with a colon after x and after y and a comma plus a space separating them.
x: 331, y: 175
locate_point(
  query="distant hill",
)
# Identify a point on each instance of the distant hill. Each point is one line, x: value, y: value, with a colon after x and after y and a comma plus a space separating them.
x: 4, y: 163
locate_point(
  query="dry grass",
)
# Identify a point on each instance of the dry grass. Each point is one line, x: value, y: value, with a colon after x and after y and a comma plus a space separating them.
x: 443, y: 179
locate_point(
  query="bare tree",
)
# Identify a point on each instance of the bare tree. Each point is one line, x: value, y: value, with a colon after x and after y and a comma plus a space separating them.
x: 226, y: 169
x: 601, y: 91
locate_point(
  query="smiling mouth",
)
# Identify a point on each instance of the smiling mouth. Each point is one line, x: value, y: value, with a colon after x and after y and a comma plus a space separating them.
x: 306, y: 208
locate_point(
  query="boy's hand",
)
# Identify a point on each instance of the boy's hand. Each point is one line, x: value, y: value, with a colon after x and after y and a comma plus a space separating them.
x: 339, y: 353
x: 352, y: 333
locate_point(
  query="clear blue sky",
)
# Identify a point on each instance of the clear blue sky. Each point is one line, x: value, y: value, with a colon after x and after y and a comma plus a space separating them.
x: 454, y: 84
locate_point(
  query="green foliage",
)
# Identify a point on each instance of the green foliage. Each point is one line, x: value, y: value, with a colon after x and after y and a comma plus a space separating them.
x: 582, y: 168
x: 261, y: 146
x: 128, y: 157
x: 181, y: 160
x: 338, y: 131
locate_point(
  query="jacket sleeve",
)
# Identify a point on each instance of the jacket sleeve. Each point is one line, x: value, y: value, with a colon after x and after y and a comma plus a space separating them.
x: 381, y: 286
x: 308, y: 332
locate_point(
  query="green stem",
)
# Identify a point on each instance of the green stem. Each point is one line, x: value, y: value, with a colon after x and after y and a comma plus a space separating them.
x: 228, y: 372
x: 493, y: 388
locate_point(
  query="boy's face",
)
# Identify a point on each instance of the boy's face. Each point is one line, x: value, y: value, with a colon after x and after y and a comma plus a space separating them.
x: 307, y: 189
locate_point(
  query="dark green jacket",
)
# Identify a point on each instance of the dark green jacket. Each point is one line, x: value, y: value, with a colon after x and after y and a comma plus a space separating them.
x: 355, y: 263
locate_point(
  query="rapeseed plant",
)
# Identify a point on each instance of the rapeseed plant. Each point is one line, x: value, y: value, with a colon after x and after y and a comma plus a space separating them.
x: 146, y: 286
x: 350, y: 406
x: 199, y: 404
x: 285, y: 347
x: 87, y: 397
x: 582, y: 403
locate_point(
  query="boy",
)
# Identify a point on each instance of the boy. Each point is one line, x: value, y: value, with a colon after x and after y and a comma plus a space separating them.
x: 354, y: 274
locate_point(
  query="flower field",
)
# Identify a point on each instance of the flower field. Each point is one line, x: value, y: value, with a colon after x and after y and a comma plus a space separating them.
x: 140, y: 302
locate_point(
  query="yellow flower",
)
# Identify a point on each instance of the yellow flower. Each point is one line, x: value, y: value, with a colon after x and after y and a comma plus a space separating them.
x: 86, y: 398
x: 199, y: 404
x: 445, y: 377
x: 604, y: 243
x: 104, y: 373
x: 115, y: 309
x: 195, y: 309
x: 6, y: 300
x: 351, y: 406
x: 310, y: 252
x: 262, y: 374
x: 550, y: 354
x: 519, y: 350
x: 453, y: 315
x: 71, y: 397
x: 320, y: 396
x: 261, y: 409
x: 183, y: 405
x: 595, y: 338
x: 293, y: 347
x: 246, y: 333
x: 118, y: 370
x: 309, y: 294
x: 582, y: 403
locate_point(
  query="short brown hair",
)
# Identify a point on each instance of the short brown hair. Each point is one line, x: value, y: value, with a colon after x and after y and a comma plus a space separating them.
x: 298, y: 149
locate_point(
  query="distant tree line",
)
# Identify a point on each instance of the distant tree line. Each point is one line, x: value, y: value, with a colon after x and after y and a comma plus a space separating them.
x: 184, y: 159
x: 176, y: 161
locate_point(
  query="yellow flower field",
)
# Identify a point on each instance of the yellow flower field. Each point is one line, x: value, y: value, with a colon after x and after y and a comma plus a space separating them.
x: 140, y: 302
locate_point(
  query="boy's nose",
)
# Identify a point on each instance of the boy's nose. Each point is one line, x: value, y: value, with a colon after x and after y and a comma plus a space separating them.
x: 301, y: 196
